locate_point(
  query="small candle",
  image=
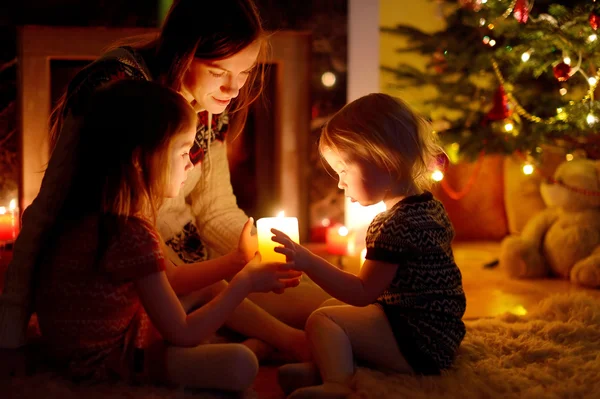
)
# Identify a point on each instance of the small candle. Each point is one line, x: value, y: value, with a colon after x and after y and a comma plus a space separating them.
x: 266, y: 246
x: 15, y: 217
x: 7, y: 225
x: 337, y: 240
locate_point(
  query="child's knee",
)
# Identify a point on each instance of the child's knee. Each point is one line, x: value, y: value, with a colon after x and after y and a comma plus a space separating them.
x: 244, y: 367
x: 317, y: 321
x: 331, y: 302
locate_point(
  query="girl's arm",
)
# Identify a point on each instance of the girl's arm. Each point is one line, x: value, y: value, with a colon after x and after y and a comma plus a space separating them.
x: 169, y: 317
x: 194, y: 276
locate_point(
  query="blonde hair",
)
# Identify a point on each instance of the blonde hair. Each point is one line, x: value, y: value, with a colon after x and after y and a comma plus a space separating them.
x: 122, y: 155
x: 384, y: 131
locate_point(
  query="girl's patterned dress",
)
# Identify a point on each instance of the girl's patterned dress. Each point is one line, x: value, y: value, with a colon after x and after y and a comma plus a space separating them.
x: 425, y: 302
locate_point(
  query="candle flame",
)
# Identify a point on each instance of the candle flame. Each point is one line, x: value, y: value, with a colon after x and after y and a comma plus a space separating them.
x: 343, y: 231
x: 363, y: 255
x: 519, y: 310
x: 13, y: 204
x: 2, y: 210
x: 280, y: 214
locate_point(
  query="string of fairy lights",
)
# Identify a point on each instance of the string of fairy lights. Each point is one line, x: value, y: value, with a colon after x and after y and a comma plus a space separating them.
x: 563, y: 69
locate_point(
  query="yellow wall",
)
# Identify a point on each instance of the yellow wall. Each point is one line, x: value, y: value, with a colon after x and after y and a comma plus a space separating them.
x: 423, y: 14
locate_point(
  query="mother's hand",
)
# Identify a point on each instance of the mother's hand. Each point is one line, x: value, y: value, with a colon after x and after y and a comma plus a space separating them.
x: 248, y: 242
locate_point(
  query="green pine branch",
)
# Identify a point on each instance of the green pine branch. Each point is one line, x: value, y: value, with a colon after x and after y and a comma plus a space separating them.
x: 460, y: 69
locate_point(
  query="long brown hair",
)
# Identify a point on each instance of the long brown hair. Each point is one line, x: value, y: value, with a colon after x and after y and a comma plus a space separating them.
x: 209, y: 30
x: 123, y: 137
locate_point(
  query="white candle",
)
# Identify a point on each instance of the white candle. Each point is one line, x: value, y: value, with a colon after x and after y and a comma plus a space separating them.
x: 266, y: 246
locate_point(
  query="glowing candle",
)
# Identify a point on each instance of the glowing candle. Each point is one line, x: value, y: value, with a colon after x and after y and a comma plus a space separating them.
x: 266, y: 246
x: 9, y: 222
x: 7, y: 225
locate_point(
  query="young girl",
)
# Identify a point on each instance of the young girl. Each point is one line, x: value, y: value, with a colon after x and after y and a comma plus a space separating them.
x: 404, y: 309
x: 106, y: 297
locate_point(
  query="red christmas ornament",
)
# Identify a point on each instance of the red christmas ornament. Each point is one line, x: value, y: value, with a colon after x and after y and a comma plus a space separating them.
x: 500, y: 110
x: 594, y: 20
x: 562, y: 71
x: 474, y: 5
x: 521, y: 11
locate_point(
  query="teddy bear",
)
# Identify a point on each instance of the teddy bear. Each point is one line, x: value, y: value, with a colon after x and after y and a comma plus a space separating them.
x: 563, y: 239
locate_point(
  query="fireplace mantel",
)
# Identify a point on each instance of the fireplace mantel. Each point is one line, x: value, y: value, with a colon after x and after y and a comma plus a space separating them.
x: 39, y: 45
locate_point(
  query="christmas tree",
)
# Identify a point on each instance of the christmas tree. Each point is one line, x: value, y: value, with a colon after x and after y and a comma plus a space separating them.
x: 511, y: 76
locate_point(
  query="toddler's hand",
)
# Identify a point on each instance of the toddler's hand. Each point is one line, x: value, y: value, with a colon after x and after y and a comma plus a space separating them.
x: 298, y: 257
x: 267, y: 277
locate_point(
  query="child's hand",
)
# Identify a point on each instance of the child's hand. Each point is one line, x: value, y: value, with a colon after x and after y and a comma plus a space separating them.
x: 296, y: 254
x: 267, y: 277
x: 248, y: 243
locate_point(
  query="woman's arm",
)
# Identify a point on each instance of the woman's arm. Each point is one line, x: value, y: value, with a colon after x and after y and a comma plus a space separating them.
x: 213, y: 204
x: 39, y: 217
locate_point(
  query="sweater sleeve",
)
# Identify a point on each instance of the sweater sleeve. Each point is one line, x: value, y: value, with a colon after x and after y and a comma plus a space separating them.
x: 37, y: 220
x: 213, y: 204
x: 39, y: 217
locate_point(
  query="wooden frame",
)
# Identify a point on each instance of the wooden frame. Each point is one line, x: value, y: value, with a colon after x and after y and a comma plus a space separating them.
x: 39, y: 45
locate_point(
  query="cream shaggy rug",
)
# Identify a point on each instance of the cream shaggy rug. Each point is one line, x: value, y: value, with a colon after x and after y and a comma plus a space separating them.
x: 552, y: 352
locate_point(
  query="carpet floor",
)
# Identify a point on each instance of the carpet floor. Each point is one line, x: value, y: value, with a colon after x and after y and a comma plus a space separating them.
x: 551, y: 352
